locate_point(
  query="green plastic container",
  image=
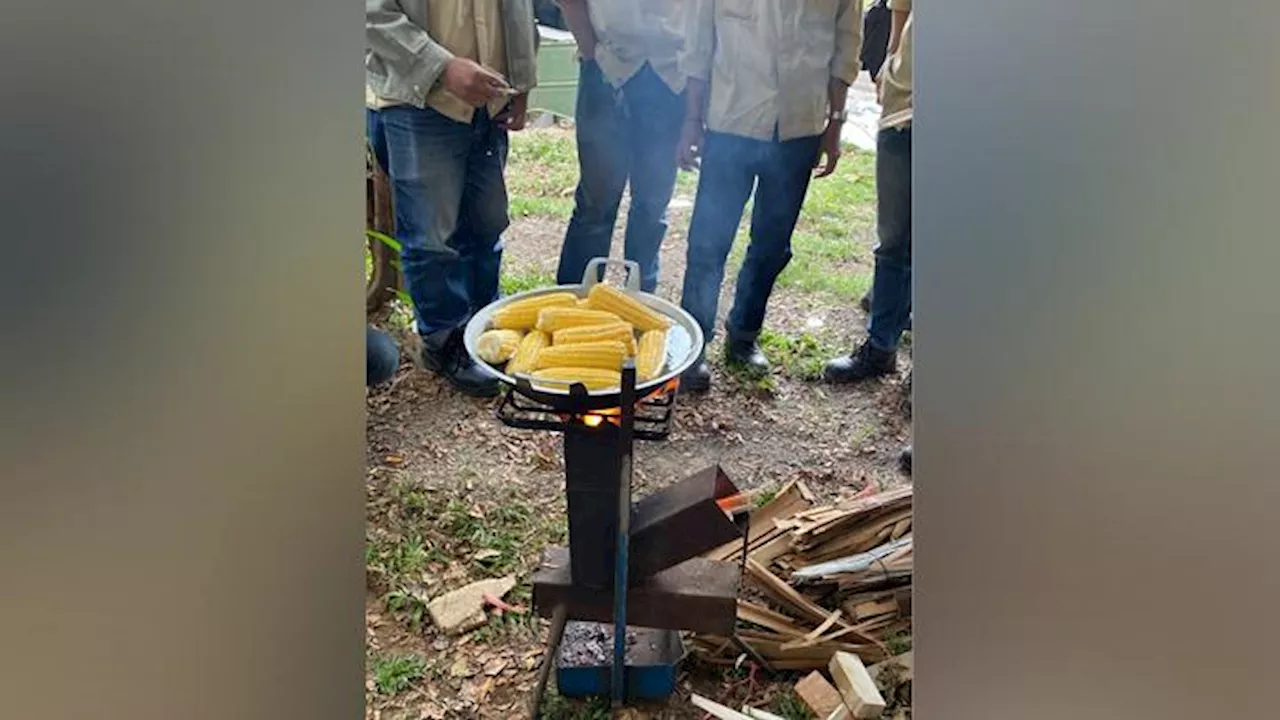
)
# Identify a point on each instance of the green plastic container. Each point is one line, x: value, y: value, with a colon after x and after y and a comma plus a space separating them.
x: 557, y: 89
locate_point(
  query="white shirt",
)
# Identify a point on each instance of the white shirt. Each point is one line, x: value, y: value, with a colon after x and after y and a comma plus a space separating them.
x: 633, y: 32
x: 769, y: 62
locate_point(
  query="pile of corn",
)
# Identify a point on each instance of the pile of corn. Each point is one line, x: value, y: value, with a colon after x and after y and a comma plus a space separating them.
x: 557, y: 339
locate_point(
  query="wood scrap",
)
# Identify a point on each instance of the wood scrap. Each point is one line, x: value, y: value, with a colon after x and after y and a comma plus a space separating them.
x: 830, y: 578
x: 758, y: 714
x: 715, y: 709
x: 820, y: 696
x: 462, y: 610
x: 859, y: 691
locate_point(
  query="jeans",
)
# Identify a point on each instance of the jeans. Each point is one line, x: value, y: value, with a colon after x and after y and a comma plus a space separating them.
x: 626, y: 134
x: 891, y: 287
x: 731, y: 167
x: 451, y: 209
x: 382, y: 357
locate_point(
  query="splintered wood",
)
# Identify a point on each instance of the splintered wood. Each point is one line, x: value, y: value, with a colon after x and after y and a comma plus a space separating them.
x: 821, y: 580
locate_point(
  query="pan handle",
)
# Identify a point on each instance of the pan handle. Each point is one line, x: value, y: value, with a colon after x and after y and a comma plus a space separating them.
x: 592, y: 274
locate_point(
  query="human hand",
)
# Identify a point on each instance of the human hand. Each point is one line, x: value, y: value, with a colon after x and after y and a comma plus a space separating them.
x: 829, y: 152
x: 514, y: 115
x: 689, y: 149
x: 473, y: 83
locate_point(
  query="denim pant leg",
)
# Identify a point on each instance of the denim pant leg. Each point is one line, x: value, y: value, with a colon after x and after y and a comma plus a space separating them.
x: 724, y: 184
x: 602, y: 172
x: 784, y: 180
x: 891, y: 287
x: 427, y: 160
x: 377, y: 136
x: 382, y: 357
x: 654, y: 117
x: 484, y: 214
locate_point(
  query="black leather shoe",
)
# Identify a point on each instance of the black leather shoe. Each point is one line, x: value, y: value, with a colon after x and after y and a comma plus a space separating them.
x: 746, y: 353
x: 866, y: 362
x: 697, y: 378
x: 904, y: 460
x: 444, y: 353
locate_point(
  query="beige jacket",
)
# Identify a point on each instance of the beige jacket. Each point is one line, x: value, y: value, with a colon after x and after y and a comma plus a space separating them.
x: 896, y: 91
x: 409, y: 42
x: 769, y: 62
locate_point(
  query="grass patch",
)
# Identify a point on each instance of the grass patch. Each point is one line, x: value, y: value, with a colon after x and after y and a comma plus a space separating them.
x: 801, y: 356
x: 525, y: 279
x: 542, y: 172
x: 899, y: 643
x: 558, y: 707
x: 790, y: 706
x: 394, y: 674
x: 497, y: 539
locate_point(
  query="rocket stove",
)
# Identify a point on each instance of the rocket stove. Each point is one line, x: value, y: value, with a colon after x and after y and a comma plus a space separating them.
x: 649, y: 548
x: 635, y: 566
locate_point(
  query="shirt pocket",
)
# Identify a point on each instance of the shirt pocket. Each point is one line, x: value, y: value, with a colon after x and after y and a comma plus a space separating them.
x: 739, y: 9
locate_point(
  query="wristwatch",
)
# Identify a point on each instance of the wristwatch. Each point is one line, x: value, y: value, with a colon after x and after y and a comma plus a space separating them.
x: 838, y: 115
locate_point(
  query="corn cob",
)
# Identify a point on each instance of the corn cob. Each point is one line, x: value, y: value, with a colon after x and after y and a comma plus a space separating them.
x: 610, y: 299
x: 557, y: 318
x: 582, y: 303
x: 595, y: 333
x: 498, y: 346
x: 606, y: 355
x: 592, y: 378
x: 527, y: 352
x: 652, y: 354
x: 523, y: 314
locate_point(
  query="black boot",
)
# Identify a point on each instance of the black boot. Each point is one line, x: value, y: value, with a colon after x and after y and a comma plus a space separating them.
x: 697, y: 379
x: 444, y: 353
x: 745, y: 353
x: 904, y: 460
x: 865, y: 362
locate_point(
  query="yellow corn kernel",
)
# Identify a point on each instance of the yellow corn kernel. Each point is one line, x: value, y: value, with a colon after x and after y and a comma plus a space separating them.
x: 595, y: 333
x: 606, y: 355
x: 593, y: 378
x: 523, y: 314
x: 498, y: 346
x: 557, y: 318
x: 527, y: 352
x: 652, y: 354
x: 607, y: 298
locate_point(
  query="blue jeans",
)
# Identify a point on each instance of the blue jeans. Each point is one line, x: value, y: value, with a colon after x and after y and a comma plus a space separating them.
x: 625, y: 134
x: 732, y: 166
x: 382, y: 357
x: 451, y: 208
x: 891, y: 287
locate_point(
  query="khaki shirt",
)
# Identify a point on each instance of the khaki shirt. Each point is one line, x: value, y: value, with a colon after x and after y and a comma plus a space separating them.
x: 411, y: 41
x: 769, y: 62
x: 633, y: 32
x: 895, y: 81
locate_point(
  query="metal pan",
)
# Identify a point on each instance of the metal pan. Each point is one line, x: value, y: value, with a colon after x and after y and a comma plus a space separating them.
x: 684, y: 342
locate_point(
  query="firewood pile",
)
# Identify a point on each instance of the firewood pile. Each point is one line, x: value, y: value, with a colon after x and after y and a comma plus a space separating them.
x: 820, y: 580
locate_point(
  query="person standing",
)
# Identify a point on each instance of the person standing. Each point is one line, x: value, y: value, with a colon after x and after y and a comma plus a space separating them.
x: 447, y: 79
x: 765, y: 103
x: 627, y: 120
x: 891, y: 286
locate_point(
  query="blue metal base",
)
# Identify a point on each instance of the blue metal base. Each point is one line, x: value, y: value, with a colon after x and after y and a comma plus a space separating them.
x: 650, y: 672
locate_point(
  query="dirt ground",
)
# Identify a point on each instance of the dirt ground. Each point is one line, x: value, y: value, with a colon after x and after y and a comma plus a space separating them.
x: 455, y: 496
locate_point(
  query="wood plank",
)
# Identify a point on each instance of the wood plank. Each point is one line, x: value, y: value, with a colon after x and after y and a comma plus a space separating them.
x: 902, y: 528
x: 767, y: 618
x: 814, y: 634
x: 859, y: 691
x: 715, y: 709
x: 772, y: 550
x: 865, y: 611
x: 758, y: 714
x: 820, y: 696
x: 788, y: 596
